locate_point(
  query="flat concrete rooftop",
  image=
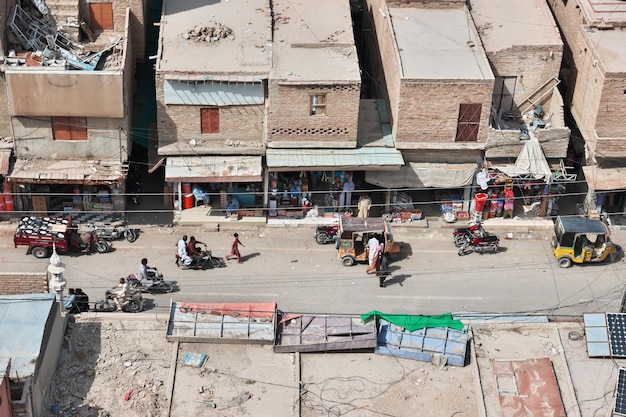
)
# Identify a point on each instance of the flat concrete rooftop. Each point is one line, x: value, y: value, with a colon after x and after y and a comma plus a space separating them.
x: 313, y: 41
x: 506, y: 23
x: 246, y: 51
x: 611, y: 46
x: 435, y: 44
x: 603, y: 11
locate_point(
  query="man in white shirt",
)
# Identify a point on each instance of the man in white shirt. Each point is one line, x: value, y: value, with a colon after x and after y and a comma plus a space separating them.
x: 182, y: 251
x: 121, y: 293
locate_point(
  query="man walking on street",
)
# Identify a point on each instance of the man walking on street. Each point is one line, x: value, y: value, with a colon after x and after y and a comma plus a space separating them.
x: 234, y: 249
x: 384, y: 269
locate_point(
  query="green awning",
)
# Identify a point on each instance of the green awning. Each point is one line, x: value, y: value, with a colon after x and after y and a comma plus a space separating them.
x: 412, y: 323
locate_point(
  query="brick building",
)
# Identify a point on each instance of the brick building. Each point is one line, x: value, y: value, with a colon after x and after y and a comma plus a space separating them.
x: 594, y: 73
x: 69, y: 87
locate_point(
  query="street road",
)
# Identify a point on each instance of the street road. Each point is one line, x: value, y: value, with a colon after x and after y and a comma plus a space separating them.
x: 284, y: 264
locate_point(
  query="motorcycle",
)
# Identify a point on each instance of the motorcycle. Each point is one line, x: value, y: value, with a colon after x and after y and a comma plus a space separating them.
x: 158, y: 284
x: 134, y: 303
x: 480, y: 244
x: 326, y: 234
x: 208, y: 260
x: 116, y: 230
x: 461, y: 234
x: 89, y: 242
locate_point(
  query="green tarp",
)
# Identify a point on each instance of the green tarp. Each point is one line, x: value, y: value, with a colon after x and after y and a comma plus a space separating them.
x: 412, y: 323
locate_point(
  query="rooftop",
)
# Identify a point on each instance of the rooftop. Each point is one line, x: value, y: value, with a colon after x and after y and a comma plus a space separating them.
x: 438, y: 44
x: 611, y: 46
x: 311, y: 46
x: 215, y: 37
x: 604, y: 12
x: 506, y: 23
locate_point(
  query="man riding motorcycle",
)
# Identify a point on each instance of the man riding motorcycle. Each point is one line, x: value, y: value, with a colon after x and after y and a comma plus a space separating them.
x: 121, y: 294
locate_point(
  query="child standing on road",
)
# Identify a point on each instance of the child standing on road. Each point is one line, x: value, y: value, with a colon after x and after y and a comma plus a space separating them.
x: 234, y: 249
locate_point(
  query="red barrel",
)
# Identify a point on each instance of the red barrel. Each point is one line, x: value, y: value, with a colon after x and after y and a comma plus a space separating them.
x: 481, y: 199
x: 2, y: 206
x: 8, y: 197
x: 187, y: 196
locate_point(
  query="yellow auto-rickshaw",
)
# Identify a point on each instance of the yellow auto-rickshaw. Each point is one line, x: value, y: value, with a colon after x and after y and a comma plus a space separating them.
x: 354, y: 232
x: 581, y: 240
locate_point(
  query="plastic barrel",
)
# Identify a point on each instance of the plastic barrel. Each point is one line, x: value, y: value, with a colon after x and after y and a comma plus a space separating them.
x: 187, y: 196
x: 2, y: 206
x: 481, y: 199
x: 8, y: 197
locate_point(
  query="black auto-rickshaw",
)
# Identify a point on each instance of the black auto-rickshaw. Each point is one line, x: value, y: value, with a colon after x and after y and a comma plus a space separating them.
x: 581, y: 240
x: 354, y: 232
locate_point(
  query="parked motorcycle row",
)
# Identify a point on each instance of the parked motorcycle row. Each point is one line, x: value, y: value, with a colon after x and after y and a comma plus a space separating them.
x: 475, y: 239
x: 117, y: 230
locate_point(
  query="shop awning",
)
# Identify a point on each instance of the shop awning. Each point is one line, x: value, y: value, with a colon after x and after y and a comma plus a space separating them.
x: 47, y: 171
x: 370, y: 158
x: 530, y: 161
x: 5, y: 154
x: 605, y: 178
x: 419, y: 175
x: 213, y: 169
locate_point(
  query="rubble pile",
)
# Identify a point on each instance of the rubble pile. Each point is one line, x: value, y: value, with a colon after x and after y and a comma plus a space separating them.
x: 111, y: 369
x: 212, y: 33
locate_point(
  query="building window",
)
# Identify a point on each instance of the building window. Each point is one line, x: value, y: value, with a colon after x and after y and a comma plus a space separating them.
x: 69, y: 128
x: 318, y: 105
x: 469, y: 121
x: 210, y: 120
x: 101, y: 16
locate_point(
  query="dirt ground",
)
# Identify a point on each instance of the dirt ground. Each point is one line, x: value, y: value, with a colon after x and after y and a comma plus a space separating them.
x: 102, y: 361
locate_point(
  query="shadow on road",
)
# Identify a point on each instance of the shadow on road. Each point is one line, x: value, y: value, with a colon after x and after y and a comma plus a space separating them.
x: 396, y: 279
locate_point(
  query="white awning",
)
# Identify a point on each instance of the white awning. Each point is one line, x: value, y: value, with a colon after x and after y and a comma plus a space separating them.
x: 605, y: 178
x: 366, y: 158
x: 213, y: 169
x: 420, y: 175
x: 46, y: 171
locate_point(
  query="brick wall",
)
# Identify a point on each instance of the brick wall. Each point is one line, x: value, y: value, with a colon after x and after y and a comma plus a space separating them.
x: 289, y: 118
x: 429, y: 111
x: 506, y: 143
x: 533, y: 65
x: 137, y: 21
x: 182, y: 123
x: 597, y: 99
x: 387, y: 71
x: 23, y: 283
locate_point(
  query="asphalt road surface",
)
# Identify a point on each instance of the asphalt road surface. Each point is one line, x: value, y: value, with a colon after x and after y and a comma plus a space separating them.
x: 286, y: 265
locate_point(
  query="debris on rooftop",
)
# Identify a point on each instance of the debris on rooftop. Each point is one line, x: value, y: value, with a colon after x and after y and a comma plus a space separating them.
x: 214, y: 32
x: 42, y: 45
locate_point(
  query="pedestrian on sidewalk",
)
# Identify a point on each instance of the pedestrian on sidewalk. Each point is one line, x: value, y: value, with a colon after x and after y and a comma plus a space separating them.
x: 234, y: 249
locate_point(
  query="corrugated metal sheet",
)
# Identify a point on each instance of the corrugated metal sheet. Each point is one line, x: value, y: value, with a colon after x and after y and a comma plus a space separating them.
x: 212, y: 93
x: 23, y: 318
x: 213, y: 169
x: 334, y: 159
x: 605, y: 178
x: 5, y: 154
x: 67, y: 171
x: 199, y: 322
x: 309, y: 333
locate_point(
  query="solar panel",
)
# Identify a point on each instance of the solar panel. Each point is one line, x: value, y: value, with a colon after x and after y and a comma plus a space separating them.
x: 617, y: 333
x: 620, y: 394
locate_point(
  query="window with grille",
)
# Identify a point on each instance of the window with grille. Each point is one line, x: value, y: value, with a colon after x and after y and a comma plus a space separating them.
x: 69, y: 128
x: 318, y: 105
x: 469, y: 122
x: 101, y: 16
x: 210, y: 120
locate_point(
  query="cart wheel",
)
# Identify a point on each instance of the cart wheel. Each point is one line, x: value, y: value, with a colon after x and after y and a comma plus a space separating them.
x: 565, y: 262
x: 102, y: 247
x: 131, y: 235
x: 40, y: 252
x: 347, y: 260
x: 322, y: 238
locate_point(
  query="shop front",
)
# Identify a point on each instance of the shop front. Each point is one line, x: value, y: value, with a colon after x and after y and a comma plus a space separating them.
x: 88, y: 190
x: 202, y: 181
x: 418, y: 187
x: 322, y: 182
x: 607, y: 191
